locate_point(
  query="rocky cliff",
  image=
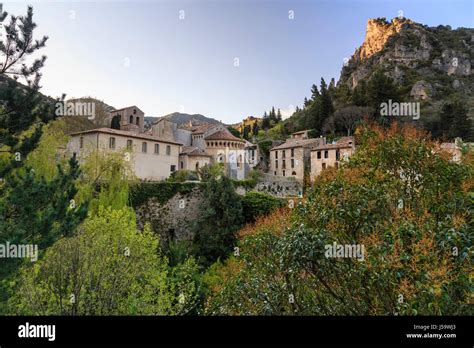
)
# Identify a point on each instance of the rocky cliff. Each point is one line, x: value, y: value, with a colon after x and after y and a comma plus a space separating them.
x: 426, y: 59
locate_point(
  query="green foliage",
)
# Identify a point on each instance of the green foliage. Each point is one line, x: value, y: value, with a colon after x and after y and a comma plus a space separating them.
x: 106, y: 180
x: 255, y: 204
x: 215, y: 231
x: 183, y: 175
x: 109, y: 268
x: 234, y: 132
x: 211, y: 171
x: 400, y: 198
x: 45, y: 158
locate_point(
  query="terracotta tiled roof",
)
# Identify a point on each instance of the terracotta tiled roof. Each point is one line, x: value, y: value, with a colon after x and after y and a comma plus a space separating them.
x: 128, y: 107
x: 201, y: 129
x: 298, y: 143
x: 346, y: 140
x: 127, y: 134
x: 193, y: 151
x: 222, y: 135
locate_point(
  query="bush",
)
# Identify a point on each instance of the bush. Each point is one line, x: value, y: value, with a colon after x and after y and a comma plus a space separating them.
x: 399, y: 198
x: 255, y: 204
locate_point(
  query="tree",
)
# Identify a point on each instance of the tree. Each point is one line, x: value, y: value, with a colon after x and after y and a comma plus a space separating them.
x: 108, y: 268
x: 234, y: 132
x: 215, y: 231
x: 265, y: 121
x: 279, y: 117
x: 454, y: 121
x: 400, y: 200
x: 256, y: 204
x: 381, y: 89
x: 349, y: 116
x: 22, y: 106
x: 255, y: 129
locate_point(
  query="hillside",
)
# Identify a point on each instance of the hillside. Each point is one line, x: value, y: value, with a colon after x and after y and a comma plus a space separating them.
x: 402, y: 61
x: 428, y: 63
x: 183, y: 119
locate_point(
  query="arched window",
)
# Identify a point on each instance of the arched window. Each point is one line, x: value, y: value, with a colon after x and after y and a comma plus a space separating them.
x: 131, y: 119
x: 293, y: 173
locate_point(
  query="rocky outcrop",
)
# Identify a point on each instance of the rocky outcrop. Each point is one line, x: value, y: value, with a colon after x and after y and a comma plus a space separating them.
x: 405, y: 49
x: 421, y: 90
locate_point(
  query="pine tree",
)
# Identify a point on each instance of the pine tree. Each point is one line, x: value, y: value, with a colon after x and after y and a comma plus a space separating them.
x: 32, y: 209
x: 454, y: 121
x: 279, y: 117
x: 265, y: 121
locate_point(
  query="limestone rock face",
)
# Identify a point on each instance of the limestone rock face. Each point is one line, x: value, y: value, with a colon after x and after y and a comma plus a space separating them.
x: 421, y: 90
x: 408, y: 51
x: 376, y: 35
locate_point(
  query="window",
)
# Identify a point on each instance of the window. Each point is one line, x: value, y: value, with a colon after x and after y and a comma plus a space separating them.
x: 283, y: 153
x: 129, y: 144
x: 111, y: 143
x: 283, y: 173
x: 319, y: 154
x: 292, y: 152
x: 276, y: 154
x: 292, y: 163
x: 134, y: 111
x: 197, y: 166
x: 276, y: 164
x: 326, y: 154
x: 173, y: 168
x: 275, y: 172
x: 181, y: 165
x: 137, y: 121
x: 144, y: 145
x: 324, y: 165
x: 157, y: 149
x: 168, y: 150
x: 81, y: 142
x: 131, y: 119
x: 284, y: 164
x: 293, y: 173
x: 338, y: 155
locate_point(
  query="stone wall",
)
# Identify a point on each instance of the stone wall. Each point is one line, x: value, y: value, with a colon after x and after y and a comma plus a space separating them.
x: 173, y: 219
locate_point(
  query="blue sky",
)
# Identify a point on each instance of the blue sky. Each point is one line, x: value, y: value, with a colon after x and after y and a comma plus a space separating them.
x: 141, y: 53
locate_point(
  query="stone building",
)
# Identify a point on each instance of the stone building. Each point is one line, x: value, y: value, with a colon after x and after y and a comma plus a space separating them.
x: 152, y: 158
x: 330, y: 155
x: 129, y: 119
x: 206, y: 144
x: 290, y: 158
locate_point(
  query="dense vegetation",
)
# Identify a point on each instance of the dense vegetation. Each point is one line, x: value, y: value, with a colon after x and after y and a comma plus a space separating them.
x: 399, y: 197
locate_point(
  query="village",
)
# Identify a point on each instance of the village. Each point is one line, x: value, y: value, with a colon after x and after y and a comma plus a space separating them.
x: 167, y: 147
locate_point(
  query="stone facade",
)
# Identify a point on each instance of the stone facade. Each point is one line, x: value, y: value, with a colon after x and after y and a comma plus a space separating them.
x: 151, y: 158
x: 330, y: 155
x: 290, y: 158
x: 131, y: 119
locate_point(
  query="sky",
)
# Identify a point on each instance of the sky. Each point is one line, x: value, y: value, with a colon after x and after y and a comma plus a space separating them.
x: 225, y: 59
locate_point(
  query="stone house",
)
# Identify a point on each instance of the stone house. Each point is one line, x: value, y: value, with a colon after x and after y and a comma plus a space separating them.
x: 290, y: 158
x: 130, y: 119
x: 330, y: 155
x: 206, y: 144
x: 152, y: 158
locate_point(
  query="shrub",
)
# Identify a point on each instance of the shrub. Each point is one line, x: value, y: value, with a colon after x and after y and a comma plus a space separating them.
x: 255, y: 204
